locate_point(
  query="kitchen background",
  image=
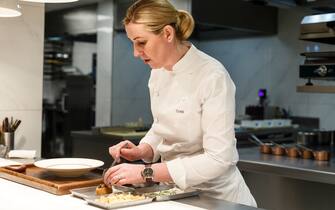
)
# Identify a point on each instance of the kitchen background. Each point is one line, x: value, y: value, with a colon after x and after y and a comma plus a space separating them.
x: 120, y: 80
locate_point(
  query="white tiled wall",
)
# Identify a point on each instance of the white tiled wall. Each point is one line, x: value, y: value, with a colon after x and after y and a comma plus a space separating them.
x: 21, y: 76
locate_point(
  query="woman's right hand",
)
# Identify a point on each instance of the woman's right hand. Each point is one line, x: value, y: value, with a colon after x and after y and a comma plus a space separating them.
x: 125, y: 149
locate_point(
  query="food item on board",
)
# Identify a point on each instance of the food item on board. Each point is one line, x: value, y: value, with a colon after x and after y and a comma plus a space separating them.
x: 169, y: 192
x: 120, y: 197
x: 103, y: 189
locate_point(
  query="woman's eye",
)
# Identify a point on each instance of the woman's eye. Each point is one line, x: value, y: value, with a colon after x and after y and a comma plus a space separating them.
x: 141, y: 43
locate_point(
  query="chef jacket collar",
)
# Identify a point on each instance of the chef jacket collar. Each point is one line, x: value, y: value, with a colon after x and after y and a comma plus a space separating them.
x: 184, y: 64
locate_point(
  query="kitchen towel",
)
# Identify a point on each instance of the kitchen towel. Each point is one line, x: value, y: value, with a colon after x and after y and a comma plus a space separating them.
x: 22, y: 154
x: 6, y: 162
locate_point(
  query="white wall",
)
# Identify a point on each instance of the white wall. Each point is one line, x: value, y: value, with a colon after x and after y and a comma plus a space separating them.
x: 82, y: 56
x: 273, y: 63
x: 21, y: 73
x: 103, y: 104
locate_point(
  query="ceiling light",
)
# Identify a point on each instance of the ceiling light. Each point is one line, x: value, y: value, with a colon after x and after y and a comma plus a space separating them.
x: 51, y: 1
x: 9, y: 8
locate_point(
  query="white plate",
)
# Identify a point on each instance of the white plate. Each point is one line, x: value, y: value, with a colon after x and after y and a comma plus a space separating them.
x: 69, y: 167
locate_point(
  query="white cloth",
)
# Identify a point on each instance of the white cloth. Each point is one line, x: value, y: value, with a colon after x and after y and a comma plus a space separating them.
x: 22, y: 154
x: 6, y: 162
x: 193, y: 107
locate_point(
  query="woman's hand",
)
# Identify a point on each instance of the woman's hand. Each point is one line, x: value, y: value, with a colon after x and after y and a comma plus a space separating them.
x: 125, y: 149
x: 124, y: 174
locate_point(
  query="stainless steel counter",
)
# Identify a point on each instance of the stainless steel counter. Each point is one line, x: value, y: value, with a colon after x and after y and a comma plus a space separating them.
x: 214, y: 204
x: 279, y: 182
x: 251, y: 160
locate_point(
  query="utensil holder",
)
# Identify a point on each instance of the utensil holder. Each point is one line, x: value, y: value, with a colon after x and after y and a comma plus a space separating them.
x: 9, y: 140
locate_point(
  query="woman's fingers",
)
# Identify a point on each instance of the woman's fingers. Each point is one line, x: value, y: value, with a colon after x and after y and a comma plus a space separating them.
x: 109, y: 173
x: 124, y: 174
x: 115, y: 151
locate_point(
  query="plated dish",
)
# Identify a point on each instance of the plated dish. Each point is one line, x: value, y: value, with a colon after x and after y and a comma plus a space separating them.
x: 69, y: 167
x: 118, y: 198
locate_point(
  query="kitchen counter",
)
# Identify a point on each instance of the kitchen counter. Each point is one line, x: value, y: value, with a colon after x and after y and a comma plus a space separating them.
x: 15, y: 196
x: 252, y: 160
x: 280, y: 182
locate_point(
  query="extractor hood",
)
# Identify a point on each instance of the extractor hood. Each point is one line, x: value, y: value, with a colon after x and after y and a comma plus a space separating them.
x: 220, y: 19
x: 232, y: 19
x: 275, y: 3
x: 318, y: 28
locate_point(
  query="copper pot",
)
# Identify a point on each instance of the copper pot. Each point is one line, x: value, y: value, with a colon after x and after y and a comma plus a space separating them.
x: 292, y: 152
x: 265, y: 148
x: 278, y: 150
x: 321, y: 155
x: 306, y: 154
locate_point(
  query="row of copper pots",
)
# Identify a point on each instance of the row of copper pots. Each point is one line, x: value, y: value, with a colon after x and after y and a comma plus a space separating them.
x: 292, y: 151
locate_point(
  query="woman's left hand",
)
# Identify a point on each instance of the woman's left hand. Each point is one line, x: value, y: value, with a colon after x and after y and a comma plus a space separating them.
x: 124, y: 174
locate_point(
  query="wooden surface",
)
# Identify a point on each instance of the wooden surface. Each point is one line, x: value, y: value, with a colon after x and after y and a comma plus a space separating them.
x: 44, y: 180
x: 316, y: 89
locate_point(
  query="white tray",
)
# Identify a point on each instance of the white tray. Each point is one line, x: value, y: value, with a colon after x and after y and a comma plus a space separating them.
x: 120, y: 204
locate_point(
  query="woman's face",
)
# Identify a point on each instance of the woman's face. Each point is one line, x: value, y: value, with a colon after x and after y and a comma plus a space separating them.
x: 151, y: 48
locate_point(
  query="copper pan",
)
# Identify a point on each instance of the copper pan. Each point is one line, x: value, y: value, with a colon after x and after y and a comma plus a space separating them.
x: 292, y: 152
x: 264, y: 148
x: 321, y: 155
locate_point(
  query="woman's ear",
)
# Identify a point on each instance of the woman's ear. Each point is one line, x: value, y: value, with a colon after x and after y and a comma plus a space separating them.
x: 169, y: 33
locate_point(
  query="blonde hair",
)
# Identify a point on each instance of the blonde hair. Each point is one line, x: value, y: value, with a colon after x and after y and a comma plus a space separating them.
x: 156, y: 14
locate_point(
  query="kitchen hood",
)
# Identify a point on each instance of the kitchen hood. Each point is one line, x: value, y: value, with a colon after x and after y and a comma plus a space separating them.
x: 318, y: 28
x: 232, y: 19
x: 215, y: 19
x: 285, y: 4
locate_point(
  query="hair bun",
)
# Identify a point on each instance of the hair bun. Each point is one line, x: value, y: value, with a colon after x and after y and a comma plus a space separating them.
x: 184, y: 25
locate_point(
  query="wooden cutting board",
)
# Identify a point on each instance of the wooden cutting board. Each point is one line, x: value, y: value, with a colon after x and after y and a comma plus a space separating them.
x: 44, y: 180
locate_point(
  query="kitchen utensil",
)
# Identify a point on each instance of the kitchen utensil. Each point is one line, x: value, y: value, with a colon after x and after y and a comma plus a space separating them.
x: 308, y: 153
x: 278, y: 149
x: 9, y: 140
x: 305, y: 152
x: 263, y: 147
x: 307, y: 138
x: 10, y: 126
x: 292, y: 151
x: 321, y: 155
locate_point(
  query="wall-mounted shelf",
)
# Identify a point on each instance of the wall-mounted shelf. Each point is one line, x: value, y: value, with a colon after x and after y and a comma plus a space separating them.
x: 316, y: 89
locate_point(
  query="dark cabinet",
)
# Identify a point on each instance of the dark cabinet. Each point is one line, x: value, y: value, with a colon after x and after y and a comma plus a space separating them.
x: 74, y: 111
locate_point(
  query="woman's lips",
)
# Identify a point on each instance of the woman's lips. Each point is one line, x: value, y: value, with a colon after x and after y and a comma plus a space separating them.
x: 146, y: 61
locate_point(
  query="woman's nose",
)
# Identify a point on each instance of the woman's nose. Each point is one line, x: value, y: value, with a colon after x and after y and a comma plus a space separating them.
x: 136, y: 52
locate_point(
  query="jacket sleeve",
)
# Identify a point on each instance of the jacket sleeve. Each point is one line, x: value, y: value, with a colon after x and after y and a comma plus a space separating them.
x: 153, y: 140
x: 217, y: 96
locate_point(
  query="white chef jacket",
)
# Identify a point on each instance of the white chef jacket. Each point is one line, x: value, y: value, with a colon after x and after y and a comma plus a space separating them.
x: 193, y: 107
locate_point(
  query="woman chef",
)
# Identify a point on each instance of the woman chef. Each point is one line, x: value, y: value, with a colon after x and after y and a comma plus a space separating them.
x: 193, y: 106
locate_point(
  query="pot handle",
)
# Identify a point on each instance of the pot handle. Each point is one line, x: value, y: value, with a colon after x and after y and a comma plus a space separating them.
x: 255, y: 139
